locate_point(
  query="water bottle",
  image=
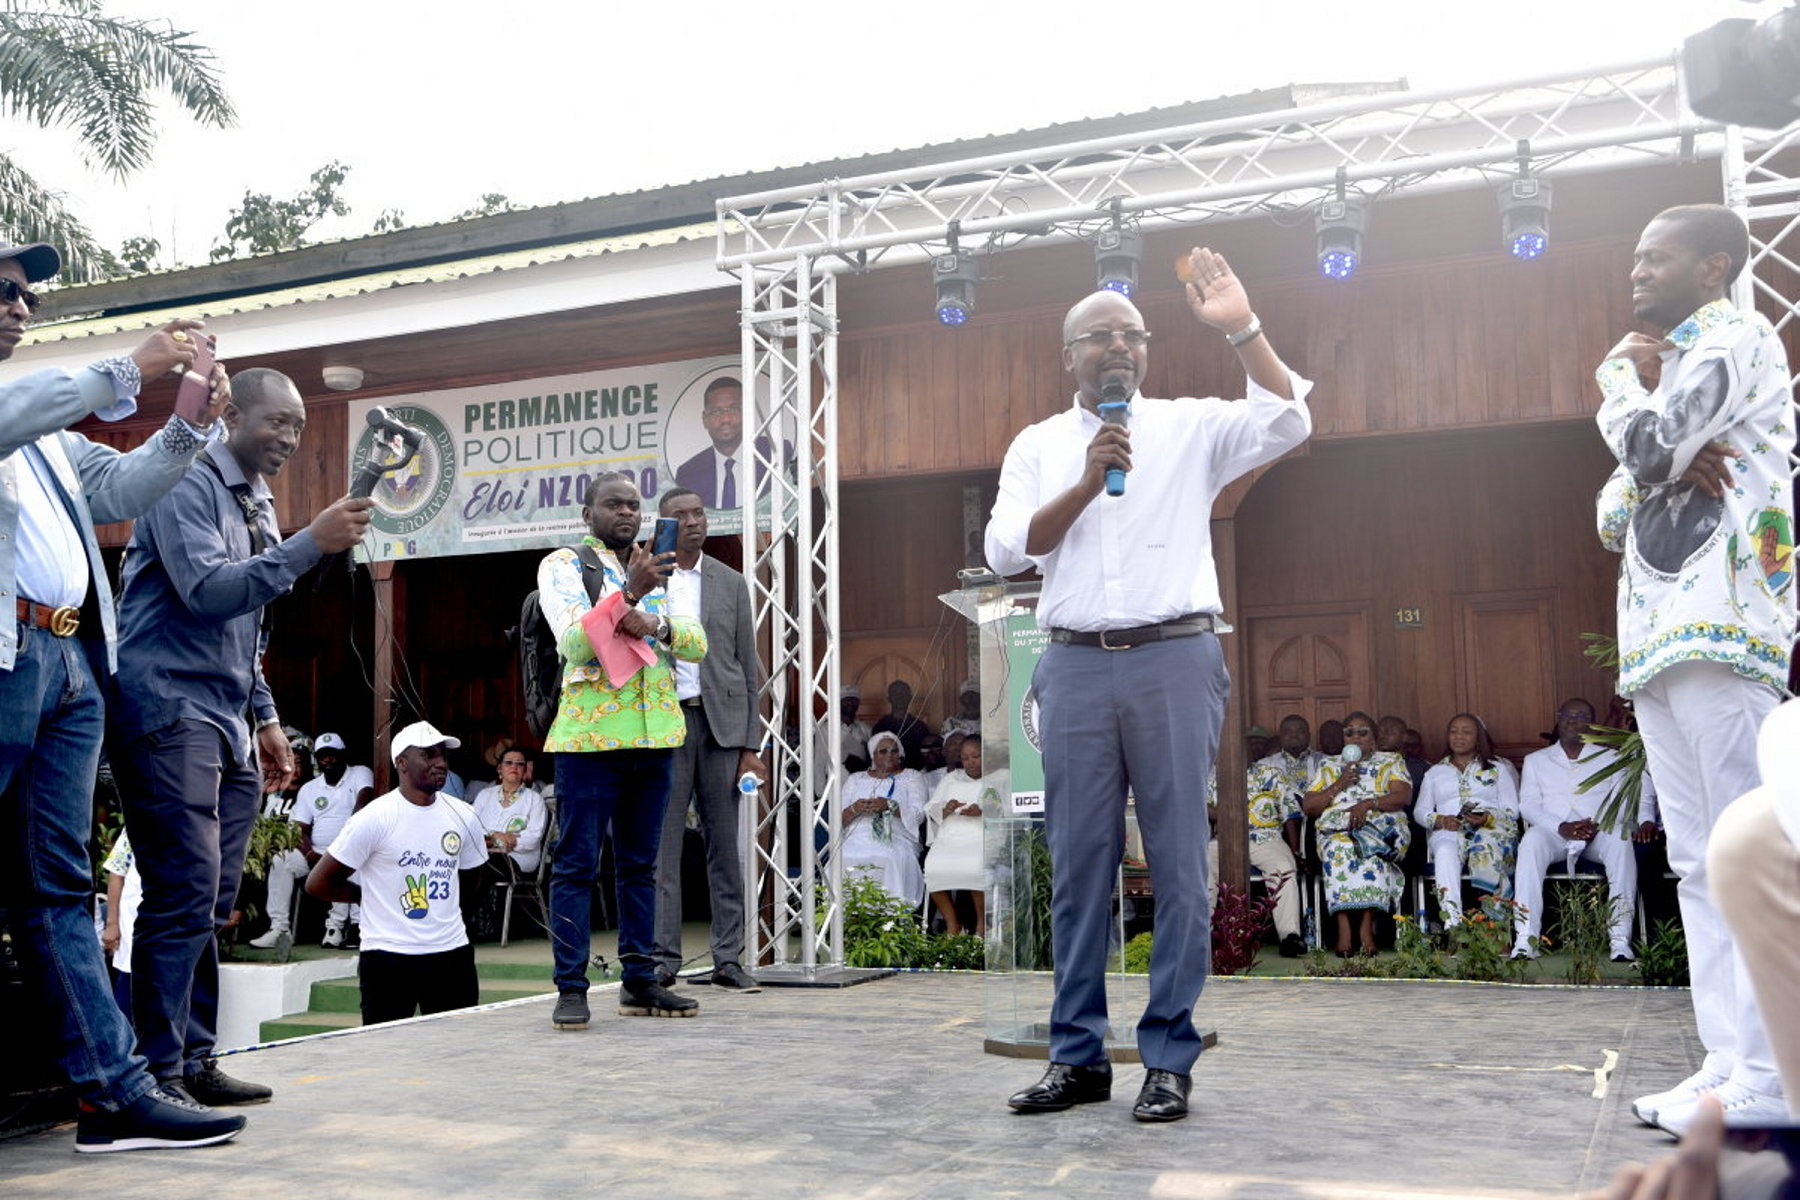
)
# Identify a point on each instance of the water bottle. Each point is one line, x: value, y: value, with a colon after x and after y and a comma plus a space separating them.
x: 749, y: 784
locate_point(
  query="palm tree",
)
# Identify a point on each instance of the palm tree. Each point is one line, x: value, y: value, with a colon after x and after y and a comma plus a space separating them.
x: 65, y: 63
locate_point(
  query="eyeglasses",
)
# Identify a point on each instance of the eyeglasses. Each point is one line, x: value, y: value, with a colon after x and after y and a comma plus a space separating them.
x: 1100, y: 339
x: 12, y: 293
x: 1358, y: 731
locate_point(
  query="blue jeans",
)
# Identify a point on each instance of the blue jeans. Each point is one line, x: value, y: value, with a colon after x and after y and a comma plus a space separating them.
x: 189, y: 808
x: 52, y: 717
x: 627, y: 789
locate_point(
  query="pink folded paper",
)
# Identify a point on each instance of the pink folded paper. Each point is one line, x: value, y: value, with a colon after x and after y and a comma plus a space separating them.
x: 621, y: 655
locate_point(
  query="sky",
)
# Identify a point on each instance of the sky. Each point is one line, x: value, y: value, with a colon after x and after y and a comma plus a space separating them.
x: 432, y: 105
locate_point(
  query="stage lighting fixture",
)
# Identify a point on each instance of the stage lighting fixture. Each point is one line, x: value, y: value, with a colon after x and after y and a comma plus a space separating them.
x: 1524, y: 216
x: 955, y: 275
x: 1117, y: 253
x: 1340, y: 231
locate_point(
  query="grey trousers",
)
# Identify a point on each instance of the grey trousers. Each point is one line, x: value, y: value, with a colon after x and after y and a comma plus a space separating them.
x: 705, y: 772
x: 1146, y: 719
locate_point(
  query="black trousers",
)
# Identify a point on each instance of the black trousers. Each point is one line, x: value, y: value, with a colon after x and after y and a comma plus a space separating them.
x: 396, y: 986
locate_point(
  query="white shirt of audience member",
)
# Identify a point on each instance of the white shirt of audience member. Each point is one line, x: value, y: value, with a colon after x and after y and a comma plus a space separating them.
x: 327, y: 808
x: 406, y: 857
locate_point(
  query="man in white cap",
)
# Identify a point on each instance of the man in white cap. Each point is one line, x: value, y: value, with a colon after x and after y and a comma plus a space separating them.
x: 324, y: 805
x: 406, y: 849
x: 55, y: 656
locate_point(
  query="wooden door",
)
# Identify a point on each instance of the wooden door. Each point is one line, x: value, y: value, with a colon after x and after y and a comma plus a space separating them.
x: 1505, y: 671
x: 1306, y: 659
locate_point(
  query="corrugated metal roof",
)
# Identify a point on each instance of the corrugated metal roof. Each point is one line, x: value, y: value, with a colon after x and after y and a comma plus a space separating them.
x: 358, y: 285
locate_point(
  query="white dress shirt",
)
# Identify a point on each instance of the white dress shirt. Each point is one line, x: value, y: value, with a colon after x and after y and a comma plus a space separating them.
x: 684, y: 601
x: 53, y: 566
x: 1549, y: 792
x: 1146, y: 556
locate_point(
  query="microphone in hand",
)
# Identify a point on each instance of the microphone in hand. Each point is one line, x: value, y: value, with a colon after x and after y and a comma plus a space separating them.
x: 1115, y: 404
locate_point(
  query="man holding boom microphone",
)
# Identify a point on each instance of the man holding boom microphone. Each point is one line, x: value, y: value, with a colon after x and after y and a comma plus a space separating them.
x: 1132, y: 687
x: 198, y: 573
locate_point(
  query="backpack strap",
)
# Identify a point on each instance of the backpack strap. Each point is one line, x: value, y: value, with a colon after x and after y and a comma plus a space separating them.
x: 591, y: 573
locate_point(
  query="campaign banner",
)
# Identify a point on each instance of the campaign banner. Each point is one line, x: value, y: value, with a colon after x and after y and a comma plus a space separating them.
x: 1025, y: 643
x: 507, y: 466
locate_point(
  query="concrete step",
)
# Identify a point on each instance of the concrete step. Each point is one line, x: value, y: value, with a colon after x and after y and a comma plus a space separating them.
x: 302, y: 1024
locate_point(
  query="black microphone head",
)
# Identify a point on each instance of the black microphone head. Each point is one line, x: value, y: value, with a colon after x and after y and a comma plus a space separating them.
x: 379, y: 418
x: 1114, y: 392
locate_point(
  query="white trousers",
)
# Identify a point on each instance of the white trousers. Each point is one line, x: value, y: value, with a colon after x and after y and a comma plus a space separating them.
x: 1445, y: 849
x: 1757, y: 872
x: 287, y: 869
x: 1272, y: 857
x: 1699, y: 721
x: 1542, y: 845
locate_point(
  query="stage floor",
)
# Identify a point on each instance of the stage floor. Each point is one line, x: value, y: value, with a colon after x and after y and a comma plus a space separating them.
x: 1318, y: 1088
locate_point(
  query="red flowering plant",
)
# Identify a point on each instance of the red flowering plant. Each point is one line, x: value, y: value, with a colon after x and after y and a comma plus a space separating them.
x: 1239, y: 921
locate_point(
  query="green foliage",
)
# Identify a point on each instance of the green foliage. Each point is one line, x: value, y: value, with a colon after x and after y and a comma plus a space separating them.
x: 264, y: 225
x: 1137, y: 954
x: 1663, y: 960
x: 1031, y: 920
x: 882, y: 931
x: 269, y: 837
x: 1483, y: 942
x: 489, y: 204
x: 1619, y: 813
x: 65, y: 64
x: 138, y: 256
x: 1415, y: 956
x: 389, y: 220
x: 1584, y: 926
x: 1601, y: 650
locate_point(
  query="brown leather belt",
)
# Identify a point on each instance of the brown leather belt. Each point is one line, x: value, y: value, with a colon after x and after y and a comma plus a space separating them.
x: 63, y: 622
x: 1124, y: 639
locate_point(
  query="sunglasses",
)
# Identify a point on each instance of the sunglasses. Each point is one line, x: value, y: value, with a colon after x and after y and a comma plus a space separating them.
x: 13, y: 293
x: 1358, y: 731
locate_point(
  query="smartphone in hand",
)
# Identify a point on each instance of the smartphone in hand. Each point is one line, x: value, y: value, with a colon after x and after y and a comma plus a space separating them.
x: 194, y: 396
x: 667, y: 528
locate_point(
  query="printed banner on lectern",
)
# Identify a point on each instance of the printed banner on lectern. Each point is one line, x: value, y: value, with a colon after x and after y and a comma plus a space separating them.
x: 1025, y: 644
x: 507, y: 466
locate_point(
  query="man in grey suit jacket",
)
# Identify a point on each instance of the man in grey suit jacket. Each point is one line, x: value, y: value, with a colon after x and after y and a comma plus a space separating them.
x: 718, y: 698
x: 55, y: 654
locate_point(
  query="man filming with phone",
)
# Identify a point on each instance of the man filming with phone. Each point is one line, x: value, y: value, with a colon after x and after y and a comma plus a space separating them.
x: 618, y: 723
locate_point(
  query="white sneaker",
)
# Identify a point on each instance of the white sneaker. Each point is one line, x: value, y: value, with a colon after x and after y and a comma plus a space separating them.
x: 334, y: 938
x: 1621, y: 952
x: 1742, y: 1107
x: 268, y: 940
x: 1688, y: 1090
x: 1523, y: 950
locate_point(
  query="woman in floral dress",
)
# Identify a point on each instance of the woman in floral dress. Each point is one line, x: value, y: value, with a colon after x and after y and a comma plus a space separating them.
x: 1469, y: 804
x: 1359, y: 801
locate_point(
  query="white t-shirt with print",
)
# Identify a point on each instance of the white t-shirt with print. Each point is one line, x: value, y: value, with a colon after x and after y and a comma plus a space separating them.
x: 406, y: 857
x: 326, y: 808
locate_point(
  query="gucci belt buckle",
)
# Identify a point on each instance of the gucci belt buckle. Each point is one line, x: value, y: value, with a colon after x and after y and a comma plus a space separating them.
x: 65, y: 621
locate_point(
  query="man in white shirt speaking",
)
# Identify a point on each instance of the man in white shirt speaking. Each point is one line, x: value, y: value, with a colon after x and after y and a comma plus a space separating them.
x: 1131, y: 690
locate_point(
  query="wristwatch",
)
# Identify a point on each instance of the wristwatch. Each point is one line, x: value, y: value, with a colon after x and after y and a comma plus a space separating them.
x: 662, y: 628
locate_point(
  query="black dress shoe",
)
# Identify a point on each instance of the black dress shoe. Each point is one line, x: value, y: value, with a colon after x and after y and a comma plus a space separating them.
x: 1163, y: 1097
x: 215, y: 1089
x: 1065, y: 1085
x: 1292, y: 946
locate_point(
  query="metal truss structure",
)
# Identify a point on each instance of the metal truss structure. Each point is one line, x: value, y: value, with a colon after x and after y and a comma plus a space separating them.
x: 788, y: 245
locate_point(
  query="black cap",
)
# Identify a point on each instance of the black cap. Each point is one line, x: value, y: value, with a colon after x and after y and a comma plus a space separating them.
x: 40, y: 259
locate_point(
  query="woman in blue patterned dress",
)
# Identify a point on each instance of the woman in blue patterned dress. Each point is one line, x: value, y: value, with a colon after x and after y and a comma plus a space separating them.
x: 1359, y: 801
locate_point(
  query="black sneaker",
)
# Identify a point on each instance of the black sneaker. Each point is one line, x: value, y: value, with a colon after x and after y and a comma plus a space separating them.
x: 1292, y: 946
x: 650, y: 999
x: 157, y: 1120
x: 734, y: 978
x: 353, y: 937
x: 571, y: 1011
x: 215, y: 1089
